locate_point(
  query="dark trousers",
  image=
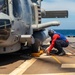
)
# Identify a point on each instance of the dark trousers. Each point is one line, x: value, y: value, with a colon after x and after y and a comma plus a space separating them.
x: 59, y: 44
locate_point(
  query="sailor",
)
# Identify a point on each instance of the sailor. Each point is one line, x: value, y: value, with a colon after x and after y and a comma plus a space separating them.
x: 58, y: 41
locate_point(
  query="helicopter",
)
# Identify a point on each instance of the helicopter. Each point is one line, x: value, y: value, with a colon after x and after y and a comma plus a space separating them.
x: 20, y: 25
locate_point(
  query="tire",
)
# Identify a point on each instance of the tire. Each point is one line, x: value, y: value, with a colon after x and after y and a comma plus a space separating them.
x: 36, y: 46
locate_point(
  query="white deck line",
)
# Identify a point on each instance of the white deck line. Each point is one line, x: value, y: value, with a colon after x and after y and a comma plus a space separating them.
x: 44, y: 55
x: 73, y: 73
x: 23, y: 67
x: 68, y: 66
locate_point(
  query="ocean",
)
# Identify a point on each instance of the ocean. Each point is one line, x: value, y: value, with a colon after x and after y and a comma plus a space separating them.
x: 65, y: 23
x: 67, y: 32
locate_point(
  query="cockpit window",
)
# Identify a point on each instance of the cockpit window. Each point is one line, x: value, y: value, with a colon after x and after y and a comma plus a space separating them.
x: 17, y: 10
x: 27, y: 15
x: 35, y: 1
x: 4, y: 6
x: 26, y: 11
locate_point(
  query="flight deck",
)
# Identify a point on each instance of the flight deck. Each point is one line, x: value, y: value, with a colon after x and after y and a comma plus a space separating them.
x: 21, y: 64
x: 54, y: 64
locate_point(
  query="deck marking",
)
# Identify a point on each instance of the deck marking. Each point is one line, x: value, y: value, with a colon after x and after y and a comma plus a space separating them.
x: 23, y: 67
x: 43, y: 56
x: 71, y: 52
x: 56, y: 59
x: 68, y: 66
x: 72, y: 73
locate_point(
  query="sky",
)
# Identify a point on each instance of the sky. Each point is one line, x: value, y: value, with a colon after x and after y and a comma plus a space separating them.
x: 65, y: 23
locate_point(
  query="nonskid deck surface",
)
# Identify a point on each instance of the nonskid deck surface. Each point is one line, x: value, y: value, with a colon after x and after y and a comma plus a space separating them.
x: 42, y: 65
x: 54, y: 64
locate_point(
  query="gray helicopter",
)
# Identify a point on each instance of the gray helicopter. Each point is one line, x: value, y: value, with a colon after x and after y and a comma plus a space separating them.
x: 20, y: 25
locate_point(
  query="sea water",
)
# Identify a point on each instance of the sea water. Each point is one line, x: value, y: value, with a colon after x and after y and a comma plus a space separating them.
x: 67, y: 32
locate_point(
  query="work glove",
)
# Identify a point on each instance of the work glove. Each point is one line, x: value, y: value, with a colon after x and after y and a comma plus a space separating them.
x: 47, y: 51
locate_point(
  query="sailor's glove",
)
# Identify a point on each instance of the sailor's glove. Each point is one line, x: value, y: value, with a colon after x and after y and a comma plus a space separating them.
x: 47, y: 51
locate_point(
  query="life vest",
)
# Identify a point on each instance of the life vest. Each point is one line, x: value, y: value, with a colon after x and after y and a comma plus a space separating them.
x: 62, y: 37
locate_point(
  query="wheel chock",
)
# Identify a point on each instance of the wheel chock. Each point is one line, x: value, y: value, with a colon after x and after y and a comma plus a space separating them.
x: 37, y: 54
x: 41, y: 51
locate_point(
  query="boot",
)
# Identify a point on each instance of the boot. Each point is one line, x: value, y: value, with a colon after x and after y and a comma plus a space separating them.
x: 62, y: 53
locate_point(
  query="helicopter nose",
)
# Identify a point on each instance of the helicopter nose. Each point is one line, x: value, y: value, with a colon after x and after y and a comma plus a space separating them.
x: 4, y: 29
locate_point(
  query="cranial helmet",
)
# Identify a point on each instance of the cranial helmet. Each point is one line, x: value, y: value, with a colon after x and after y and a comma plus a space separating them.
x: 50, y: 32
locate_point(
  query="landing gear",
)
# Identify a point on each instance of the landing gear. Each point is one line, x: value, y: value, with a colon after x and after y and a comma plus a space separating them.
x: 36, y: 46
x: 33, y: 48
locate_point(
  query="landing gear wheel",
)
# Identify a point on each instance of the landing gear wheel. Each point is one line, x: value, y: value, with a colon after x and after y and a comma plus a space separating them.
x: 36, y: 46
